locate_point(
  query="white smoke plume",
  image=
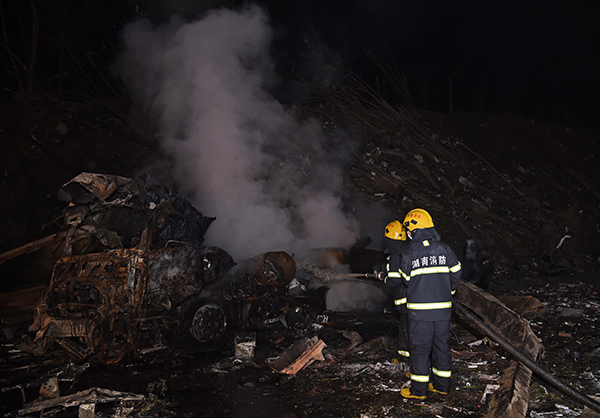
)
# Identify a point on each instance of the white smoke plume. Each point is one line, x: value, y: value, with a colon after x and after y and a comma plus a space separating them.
x: 268, y: 177
x: 355, y: 295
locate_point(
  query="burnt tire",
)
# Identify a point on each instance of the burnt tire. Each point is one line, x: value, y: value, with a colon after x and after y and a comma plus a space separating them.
x: 206, y: 322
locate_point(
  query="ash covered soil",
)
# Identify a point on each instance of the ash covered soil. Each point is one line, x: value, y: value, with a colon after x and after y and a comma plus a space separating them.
x: 526, y: 190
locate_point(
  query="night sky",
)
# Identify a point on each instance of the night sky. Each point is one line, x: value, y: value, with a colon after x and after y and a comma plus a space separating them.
x: 532, y: 58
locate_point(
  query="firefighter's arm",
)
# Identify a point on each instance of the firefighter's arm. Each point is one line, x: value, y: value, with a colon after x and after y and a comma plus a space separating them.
x: 391, y: 277
x: 405, y: 268
x: 455, y: 270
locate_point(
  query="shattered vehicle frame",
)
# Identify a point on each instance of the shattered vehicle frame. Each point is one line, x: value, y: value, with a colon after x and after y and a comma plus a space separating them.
x: 134, y: 271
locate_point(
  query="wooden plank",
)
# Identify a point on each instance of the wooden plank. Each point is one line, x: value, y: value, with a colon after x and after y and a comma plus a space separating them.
x: 24, y: 297
x: 512, y: 399
x: 88, y: 396
x: 31, y: 247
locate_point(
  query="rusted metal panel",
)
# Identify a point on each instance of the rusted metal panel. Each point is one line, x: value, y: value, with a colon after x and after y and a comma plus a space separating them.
x: 101, y: 185
x: 93, y: 285
x: 299, y: 356
x: 69, y: 328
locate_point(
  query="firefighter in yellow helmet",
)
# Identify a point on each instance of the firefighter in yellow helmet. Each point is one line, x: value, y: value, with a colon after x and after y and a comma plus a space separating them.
x: 395, y: 243
x: 431, y: 272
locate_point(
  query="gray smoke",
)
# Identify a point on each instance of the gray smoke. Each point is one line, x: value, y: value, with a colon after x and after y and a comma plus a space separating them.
x: 354, y: 295
x: 268, y: 177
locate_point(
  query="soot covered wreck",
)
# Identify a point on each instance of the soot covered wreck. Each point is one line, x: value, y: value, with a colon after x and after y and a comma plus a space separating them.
x: 134, y: 273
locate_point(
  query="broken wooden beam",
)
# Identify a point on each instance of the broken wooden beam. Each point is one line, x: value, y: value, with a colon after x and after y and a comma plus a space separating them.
x: 514, y: 335
x: 31, y: 247
x: 85, y: 397
x: 512, y: 399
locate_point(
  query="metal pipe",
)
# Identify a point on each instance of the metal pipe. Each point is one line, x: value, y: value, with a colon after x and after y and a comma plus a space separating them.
x: 547, y: 376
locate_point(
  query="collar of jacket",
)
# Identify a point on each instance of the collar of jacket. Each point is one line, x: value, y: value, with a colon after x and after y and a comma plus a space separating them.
x: 422, y: 234
x: 392, y: 245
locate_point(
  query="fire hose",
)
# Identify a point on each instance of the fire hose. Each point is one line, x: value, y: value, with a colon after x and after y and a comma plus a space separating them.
x: 487, y: 330
x: 380, y: 275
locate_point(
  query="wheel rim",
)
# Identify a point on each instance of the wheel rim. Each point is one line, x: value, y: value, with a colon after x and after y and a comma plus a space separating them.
x: 208, y: 323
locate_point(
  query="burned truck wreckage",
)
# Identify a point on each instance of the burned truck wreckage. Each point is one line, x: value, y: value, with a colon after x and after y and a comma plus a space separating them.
x: 134, y: 273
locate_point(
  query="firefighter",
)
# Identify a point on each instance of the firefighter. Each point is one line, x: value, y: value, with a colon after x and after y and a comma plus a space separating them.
x: 395, y: 244
x: 431, y: 272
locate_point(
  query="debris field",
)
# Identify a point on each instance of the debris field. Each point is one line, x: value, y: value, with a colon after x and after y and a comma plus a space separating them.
x: 535, y: 220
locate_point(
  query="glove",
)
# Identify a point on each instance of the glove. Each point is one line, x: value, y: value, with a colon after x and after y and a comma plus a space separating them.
x: 378, y: 267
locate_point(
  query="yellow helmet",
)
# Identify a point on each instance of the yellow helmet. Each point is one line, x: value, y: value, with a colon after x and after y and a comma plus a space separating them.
x: 418, y: 218
x: 395, y: 230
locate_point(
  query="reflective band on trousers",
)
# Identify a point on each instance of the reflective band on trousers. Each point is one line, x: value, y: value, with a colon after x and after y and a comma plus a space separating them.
x: 441, y: 373
x: 427, y: 306
x: 419, y: 378
x: 400, y: 301
x: 404, y: 353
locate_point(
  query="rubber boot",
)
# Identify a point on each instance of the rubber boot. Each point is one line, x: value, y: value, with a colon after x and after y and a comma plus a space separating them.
x: 434, y: 390
x: 405, y: 392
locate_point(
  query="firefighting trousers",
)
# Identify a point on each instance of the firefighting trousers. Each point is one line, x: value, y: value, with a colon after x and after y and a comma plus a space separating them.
x: 430, y: 356
x: 403, y: 339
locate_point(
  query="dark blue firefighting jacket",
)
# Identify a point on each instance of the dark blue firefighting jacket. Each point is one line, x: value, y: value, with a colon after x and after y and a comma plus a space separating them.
x: 431, y: 273
x: 394, y: 250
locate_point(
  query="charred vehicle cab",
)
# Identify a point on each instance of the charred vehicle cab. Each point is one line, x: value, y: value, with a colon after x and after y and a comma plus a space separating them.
x: 134, y: 271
